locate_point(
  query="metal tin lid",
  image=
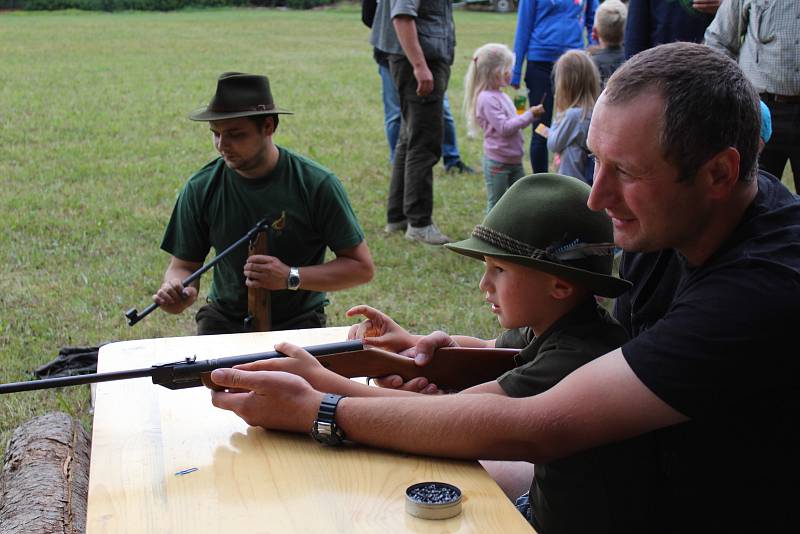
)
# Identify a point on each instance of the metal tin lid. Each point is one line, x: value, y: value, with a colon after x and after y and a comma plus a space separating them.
x: 433, y: 500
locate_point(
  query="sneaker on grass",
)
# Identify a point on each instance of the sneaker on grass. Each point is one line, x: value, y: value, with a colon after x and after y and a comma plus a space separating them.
x: 399, y: 226
x: 427, y: 234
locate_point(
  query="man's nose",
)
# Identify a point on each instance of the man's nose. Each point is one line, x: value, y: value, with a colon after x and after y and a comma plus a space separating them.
x: 602, y: 190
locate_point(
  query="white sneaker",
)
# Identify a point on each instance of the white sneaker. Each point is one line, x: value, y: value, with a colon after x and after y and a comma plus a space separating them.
x: 399, y: 226
x: 427, y: 234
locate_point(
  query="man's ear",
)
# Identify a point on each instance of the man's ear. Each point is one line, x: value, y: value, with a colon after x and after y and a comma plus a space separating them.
x: 721, y: 172
x: 270, y: 125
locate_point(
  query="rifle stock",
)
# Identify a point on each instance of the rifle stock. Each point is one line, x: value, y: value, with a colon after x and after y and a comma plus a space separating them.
x: 451, y: 369
x: 258, y: 298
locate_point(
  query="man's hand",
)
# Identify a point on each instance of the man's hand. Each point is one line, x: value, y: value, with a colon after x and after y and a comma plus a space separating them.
x: 424, y: 79
x: 172, y: 297
x: 707, y: 6
x: 267, y: 272
x: 270, y: 399
x: 379, y: 330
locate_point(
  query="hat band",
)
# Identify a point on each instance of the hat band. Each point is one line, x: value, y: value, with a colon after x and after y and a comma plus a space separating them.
x: 573, y: 250
x: 260, y: 107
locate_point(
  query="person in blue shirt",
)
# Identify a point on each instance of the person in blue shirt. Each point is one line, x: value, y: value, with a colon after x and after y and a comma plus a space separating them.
x: 545, y: 30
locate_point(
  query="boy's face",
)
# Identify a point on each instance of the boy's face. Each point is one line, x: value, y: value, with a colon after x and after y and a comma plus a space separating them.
x: 520, y: 296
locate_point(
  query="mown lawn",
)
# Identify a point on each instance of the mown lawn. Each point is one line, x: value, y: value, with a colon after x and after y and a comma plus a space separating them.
x: 96, y: 144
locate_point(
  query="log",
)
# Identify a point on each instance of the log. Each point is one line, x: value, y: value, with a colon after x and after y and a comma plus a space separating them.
x: 44, y: 483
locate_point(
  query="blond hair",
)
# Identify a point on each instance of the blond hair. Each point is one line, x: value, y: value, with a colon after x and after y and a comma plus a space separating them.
x: 577, y: 82
x: 485, y: 71
x: 610, y: 22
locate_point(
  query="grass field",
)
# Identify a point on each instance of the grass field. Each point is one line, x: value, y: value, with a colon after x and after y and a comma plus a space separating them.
x: 95, y: 145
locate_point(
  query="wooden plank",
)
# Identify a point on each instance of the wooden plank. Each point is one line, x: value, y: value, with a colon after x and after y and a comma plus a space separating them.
x: 248, y: 478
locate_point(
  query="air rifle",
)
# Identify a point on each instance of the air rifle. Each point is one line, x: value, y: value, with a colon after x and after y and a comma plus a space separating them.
x: 134, y: 316
x: 452, y: 368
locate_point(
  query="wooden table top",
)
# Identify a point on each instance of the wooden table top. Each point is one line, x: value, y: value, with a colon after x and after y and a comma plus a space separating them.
x: 248, y: 479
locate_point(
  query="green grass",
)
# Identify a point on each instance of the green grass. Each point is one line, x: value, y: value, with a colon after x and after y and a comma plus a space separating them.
x: 95, y: 145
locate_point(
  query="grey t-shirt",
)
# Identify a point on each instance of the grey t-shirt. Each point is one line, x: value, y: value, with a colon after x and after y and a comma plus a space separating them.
x: 435, y: 27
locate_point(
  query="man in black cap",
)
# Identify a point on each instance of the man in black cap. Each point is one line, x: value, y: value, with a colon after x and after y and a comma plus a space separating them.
x: 305, y: 204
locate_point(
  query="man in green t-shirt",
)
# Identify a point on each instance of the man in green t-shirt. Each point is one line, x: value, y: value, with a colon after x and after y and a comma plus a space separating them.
x: 252, y: 180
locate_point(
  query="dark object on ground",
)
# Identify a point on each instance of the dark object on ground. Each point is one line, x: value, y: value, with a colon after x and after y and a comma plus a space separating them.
x: 460, y: 167
x: 44, y: 483
x: 70, y: 361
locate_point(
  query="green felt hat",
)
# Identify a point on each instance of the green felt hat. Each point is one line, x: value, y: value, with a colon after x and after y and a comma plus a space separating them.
x: 543, y: 222
x: 239, y: 95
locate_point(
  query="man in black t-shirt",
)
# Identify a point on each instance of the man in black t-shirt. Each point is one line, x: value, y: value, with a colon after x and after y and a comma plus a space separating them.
x: 713, y: 252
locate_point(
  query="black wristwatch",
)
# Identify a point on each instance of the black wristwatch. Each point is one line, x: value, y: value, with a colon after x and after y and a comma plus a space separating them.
x: 293, y: 281
x: 324, y: 429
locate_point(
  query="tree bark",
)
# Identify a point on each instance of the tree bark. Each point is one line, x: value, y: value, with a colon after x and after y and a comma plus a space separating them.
x: 44, y: 483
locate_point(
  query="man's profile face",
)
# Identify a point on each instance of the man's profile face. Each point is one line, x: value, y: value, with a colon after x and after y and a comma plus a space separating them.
x: 634, y: 184
x: 240, y: 143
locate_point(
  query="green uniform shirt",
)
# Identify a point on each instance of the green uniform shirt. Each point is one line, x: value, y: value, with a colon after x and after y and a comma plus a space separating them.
x: 605, y: 489
x: 217, y: 207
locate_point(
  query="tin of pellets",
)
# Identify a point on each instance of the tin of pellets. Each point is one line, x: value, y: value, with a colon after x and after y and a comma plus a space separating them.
x: 433, y: 500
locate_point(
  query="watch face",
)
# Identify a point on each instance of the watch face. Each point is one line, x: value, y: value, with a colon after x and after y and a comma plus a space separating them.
x: 327, y: 433
x: 294, y: 279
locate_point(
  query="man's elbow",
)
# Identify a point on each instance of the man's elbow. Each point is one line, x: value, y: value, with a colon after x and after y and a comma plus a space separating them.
x: 366, y: 271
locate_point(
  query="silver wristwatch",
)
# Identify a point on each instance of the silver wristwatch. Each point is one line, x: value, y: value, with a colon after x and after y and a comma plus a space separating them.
x: 293, y: 281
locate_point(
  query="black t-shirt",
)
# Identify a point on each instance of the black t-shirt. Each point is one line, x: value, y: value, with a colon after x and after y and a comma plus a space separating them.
x: 716, y: 343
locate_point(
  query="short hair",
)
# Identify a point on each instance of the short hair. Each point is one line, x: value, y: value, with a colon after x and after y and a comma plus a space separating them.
x: 261, y: 120
x: 609, y: 19
x: 709, y: 104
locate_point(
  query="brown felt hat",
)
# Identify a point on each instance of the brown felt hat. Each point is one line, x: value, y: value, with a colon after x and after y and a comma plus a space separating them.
x: 239, y: 95
x: 543, y: 222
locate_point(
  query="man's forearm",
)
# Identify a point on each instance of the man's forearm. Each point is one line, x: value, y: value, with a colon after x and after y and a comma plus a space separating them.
x: 406, y: 29
x: 339, y: 273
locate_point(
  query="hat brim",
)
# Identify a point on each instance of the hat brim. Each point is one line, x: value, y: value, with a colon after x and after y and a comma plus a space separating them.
x: 203, y: 114
x: 600, y: 284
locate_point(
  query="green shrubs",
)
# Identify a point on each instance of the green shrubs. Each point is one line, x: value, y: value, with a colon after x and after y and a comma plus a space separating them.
x: 152, y: 5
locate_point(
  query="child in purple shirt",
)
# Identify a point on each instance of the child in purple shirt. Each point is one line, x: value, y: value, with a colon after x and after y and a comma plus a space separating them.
x: 485, y: 105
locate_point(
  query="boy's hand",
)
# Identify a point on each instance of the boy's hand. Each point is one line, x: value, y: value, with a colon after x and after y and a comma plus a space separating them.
x: 298, y: 362
x: 379, y: 330
x: 422, y: 354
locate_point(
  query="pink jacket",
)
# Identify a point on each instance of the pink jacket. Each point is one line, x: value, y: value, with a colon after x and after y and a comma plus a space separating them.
x: 502, y: 127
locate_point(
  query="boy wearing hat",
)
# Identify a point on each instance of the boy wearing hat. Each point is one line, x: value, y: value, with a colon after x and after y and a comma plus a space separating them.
x: 255, y: 179
x: 546, y: 255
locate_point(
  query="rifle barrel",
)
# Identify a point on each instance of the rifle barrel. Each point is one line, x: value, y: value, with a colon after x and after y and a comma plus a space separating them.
x: 76, y: 380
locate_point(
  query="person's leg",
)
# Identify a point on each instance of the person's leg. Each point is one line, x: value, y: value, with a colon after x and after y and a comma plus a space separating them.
x: 497, y: 180
x: 211, y: 320
x: 391, y: 109
x: 538, y: 81
x: 785, y: 138
x: 313, y: 319
x: 420, y: 141
x: 394, y: 204
x: 450, y: 153
x: 514, y: 478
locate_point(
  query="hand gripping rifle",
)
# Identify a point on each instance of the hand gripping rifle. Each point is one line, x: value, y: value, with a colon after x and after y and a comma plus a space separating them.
x: 261, y: 226
x: 452, y: 368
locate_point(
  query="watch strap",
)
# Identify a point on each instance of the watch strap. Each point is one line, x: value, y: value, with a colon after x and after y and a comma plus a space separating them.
x: 325, y: 429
